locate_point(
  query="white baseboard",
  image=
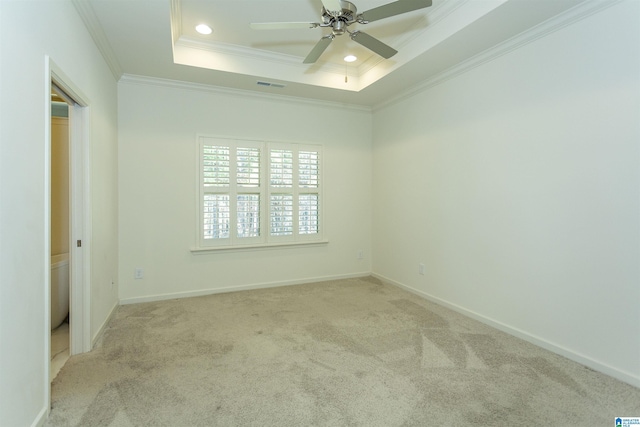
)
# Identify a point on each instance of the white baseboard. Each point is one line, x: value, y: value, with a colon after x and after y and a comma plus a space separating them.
x: 618, y: 374
x: 188, y: 294
x: 41, y: 418
x: 100, y: 331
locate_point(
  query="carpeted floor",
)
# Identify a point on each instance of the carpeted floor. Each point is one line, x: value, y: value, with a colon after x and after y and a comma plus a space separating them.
x: 349, y: 352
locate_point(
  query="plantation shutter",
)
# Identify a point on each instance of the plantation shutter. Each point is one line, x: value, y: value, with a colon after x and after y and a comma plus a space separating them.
x: 256, y: 193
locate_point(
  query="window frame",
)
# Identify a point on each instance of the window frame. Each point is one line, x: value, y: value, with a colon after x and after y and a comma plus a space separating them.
x: 265, y: 189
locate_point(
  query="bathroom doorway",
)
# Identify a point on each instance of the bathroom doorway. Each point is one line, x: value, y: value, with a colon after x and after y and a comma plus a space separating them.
x: 79, y: 213
x: 59, y: 230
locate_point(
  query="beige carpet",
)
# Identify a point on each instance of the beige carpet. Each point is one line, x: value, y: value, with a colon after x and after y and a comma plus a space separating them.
x: 349, y: 352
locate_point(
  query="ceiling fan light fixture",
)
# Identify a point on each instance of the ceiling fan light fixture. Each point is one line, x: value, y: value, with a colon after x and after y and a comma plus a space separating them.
x: 350, y: 58
x: 204, y: 29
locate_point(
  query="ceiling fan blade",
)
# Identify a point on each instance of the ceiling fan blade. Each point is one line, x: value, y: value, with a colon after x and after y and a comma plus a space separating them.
x: 318, y: 49
x: 282, y: 25
x: 373, y: 44
x: 332, y: 5
x: 395, y: 8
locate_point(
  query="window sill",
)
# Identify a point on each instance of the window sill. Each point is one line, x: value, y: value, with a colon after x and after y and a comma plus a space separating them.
x: 240, y: 248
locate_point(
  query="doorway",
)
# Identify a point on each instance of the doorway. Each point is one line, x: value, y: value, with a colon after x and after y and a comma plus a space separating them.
x: 59, y: 230
x: 79, y: 214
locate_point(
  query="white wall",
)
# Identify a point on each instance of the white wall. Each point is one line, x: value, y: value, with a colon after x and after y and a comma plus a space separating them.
x: 517, y: 185
x: 158, y: 173
x: 29, y: 30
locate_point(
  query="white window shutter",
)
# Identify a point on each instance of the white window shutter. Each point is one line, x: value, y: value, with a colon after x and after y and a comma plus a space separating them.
x: 258, y: 193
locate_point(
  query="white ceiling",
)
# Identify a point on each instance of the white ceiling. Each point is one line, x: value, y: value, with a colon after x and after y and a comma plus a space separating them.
x: 157, y: 39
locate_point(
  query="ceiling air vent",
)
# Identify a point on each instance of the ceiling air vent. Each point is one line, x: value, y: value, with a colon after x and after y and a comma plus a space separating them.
x: 269, y: 84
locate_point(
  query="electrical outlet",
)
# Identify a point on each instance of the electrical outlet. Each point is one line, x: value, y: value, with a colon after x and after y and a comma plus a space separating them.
x: 421, y: 268
x: 139, y: 273
x: 360, y: 254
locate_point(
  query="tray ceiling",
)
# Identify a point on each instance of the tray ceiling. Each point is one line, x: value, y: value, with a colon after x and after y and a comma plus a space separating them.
x: 157, y: 39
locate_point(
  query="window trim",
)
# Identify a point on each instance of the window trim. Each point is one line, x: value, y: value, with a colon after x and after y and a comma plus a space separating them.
x: 265, y: 240
x: 241, y: 248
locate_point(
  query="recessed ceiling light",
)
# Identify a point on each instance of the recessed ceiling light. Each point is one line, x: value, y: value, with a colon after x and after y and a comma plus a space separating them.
x: 350, y: 58
x: 204, y: 29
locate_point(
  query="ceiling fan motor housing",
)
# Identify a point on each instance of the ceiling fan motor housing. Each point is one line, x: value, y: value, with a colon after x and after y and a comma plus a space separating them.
x: 339, y: 20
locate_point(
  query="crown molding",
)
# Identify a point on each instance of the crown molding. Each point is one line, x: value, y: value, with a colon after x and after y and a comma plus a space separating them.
x: 273, y: 66
x: 91, y: 22
x: 252, y: 53
x: 175, y: 20
x: 565, y: 19
x: 199, y: 87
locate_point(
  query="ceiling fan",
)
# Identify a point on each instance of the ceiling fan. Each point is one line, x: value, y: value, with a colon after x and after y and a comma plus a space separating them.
x: 339, y: 14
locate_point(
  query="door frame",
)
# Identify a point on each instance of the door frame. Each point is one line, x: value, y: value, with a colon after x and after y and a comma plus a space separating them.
x: 79, y: 213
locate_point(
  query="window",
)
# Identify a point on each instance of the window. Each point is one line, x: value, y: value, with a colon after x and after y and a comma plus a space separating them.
x: 257, y: 193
